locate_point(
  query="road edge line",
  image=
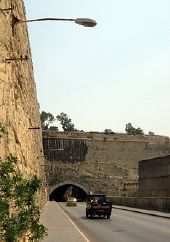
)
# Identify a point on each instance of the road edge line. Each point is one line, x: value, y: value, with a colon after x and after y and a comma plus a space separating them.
x: 82, y: 234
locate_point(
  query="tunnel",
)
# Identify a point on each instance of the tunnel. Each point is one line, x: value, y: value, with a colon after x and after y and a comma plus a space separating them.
x: 61, y: 193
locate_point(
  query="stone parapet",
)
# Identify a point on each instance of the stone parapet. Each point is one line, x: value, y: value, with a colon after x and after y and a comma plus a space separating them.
x: 153, y: 203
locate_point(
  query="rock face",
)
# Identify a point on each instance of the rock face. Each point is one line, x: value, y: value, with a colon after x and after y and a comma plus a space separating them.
x: 19, y: 110
x: 98, y: 162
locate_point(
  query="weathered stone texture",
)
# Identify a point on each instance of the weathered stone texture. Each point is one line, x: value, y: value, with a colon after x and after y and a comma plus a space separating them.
x: 154, y: 177
x: 19, y: 108
x: 110, y: 159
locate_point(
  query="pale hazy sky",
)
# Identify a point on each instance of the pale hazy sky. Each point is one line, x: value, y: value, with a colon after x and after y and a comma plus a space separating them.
x: 107, y: 76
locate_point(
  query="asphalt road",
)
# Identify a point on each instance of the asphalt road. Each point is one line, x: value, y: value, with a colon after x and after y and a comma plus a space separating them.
x: 123, y: 226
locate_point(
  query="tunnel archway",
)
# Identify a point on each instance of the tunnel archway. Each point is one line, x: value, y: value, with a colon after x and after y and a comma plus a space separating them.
x: 60, y: 191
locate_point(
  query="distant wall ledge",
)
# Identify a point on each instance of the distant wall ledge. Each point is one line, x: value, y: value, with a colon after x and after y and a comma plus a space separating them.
x: 107, y: 137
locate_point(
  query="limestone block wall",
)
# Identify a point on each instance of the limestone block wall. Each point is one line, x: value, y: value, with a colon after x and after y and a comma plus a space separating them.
x: 154, y: 177
x: 152, y: 203
x: 19, y: 109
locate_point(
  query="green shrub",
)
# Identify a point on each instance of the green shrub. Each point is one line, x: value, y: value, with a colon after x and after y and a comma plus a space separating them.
x: 19, y: 214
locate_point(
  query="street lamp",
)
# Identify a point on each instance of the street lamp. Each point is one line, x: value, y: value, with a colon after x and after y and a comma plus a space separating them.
x: 86, y: 22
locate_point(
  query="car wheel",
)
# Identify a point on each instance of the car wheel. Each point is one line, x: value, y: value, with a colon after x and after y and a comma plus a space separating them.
x: 87, y: 214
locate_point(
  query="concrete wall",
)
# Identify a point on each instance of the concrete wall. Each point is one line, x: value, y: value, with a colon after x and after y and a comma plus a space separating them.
x: 154, y: 177
x: 19, y: 109
x: 109, y: 158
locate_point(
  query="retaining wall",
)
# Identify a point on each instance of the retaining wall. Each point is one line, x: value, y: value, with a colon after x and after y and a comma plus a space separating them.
x: 152, y: 203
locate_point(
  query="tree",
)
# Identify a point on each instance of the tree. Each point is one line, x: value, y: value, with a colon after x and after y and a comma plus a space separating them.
x: 108, y: 131
x: 54, y: 128
x: 131, y: 130
x: 151, y: 133
x: 65, y: 122
x: 19, y: 215
x: 46, y: 120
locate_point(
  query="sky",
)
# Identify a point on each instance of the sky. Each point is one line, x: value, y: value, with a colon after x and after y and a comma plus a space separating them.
x: 104, y: 77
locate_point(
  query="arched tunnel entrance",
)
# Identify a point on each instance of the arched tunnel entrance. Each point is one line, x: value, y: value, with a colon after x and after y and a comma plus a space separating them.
x: 61, y: 193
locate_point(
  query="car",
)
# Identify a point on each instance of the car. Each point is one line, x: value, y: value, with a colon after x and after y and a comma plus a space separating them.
x: 71, y: 201
x: 97, y: 204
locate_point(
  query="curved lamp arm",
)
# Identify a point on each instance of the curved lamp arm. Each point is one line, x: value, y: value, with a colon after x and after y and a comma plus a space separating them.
x: 86, y: 22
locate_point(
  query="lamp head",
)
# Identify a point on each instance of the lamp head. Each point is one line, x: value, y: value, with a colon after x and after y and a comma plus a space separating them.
x: 86, y: 22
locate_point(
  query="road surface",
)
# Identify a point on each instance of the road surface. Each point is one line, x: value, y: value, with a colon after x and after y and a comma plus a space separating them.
x: 123, y: 226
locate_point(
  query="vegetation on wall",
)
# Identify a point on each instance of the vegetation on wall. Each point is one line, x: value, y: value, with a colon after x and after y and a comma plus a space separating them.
x: 131, y: 130
x: 66, y: 123
x: 108, y: 131
x: 19, y: 214
x: 2, y: 129
x: 151, y: 133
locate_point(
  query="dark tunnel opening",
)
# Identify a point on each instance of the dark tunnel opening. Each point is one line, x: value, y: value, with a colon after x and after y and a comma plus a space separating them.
x: 61, y: 193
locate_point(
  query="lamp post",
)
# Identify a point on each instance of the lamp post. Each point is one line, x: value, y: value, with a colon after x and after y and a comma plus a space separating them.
x: 86, y: 22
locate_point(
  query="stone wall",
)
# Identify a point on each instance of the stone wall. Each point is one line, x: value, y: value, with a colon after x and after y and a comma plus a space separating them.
x: 154, y: 177
x: 110, y: 159
x: 152, y: 203
x: 19, y: 109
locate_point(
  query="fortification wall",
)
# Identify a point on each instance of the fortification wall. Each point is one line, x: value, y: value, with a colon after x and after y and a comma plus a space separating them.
x: 150, y: 203
x: 107, y: 160
x: 154, y: 177
x: 19, y: 109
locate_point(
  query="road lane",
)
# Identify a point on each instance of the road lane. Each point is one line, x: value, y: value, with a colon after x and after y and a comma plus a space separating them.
x: 123, y: 226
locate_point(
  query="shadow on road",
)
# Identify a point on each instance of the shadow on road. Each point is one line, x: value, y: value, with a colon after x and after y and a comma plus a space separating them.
x: 94, y: 218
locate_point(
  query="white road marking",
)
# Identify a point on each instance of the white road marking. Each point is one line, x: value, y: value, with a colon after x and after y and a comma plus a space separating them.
x: 75, y: 225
